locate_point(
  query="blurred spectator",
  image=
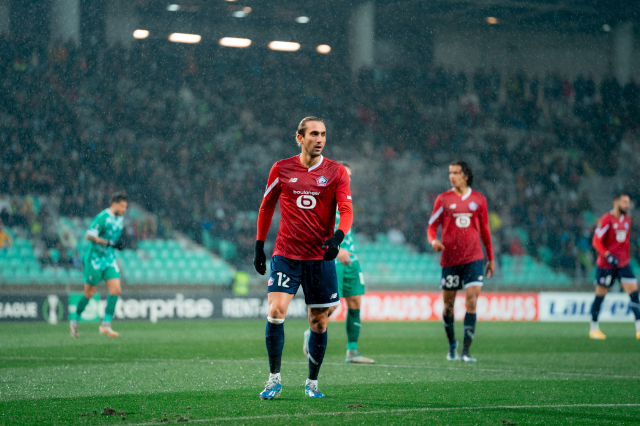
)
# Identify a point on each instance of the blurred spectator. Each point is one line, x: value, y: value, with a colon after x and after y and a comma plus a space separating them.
x: 5, y: 239
x: 76, y: 260
x: 46, y: 259
x: 65, y: 261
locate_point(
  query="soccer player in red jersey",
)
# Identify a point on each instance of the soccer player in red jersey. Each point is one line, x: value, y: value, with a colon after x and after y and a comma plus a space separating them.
x: 463, y: 215
x: 611, y: 241
x: 310, y: 188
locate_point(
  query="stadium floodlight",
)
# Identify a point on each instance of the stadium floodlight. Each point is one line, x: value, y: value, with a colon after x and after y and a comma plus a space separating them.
x: 140, y: 34
x: 302, y: 19
x: 491, y: 20
x: 239, y: 14
x: 184, y: 38
x: 235, y: 42
x: 324, y: 49
x: 286, y: 46
x: 173, y: 8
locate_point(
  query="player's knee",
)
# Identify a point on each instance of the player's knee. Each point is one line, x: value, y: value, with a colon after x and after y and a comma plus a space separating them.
x: 89, y: 292
x: 318, y: 321
x: 276, y: 312
x: 471, y: 306
x: 447, y: 310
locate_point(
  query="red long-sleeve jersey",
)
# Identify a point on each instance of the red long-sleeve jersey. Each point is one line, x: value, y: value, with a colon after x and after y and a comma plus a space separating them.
x: 465, y: 221
x: 308, y: 199
x: 612, y: 235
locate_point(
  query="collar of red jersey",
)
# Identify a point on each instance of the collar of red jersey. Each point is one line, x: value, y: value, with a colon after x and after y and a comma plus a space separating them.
x: 465, y: 196
x: 317, y: 165
x: 621, y: 216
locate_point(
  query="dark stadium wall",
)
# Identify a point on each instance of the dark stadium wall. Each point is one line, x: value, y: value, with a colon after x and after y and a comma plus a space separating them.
x: 539, y: 52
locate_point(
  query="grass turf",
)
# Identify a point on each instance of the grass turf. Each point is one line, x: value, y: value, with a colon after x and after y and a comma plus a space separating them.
x: 211, y: 372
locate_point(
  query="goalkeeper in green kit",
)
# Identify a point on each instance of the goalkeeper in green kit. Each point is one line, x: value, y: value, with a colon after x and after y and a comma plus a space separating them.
x: 351, y: 287
x: 100, y: 262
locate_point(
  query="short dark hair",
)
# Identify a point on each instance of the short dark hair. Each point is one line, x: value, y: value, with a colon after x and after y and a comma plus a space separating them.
x: 619, y: 193
x: 465, y: 170
x: 118, y: 197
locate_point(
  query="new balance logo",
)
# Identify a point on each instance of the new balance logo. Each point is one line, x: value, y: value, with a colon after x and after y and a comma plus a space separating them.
x: 293, y: 180
x: 334, y: 295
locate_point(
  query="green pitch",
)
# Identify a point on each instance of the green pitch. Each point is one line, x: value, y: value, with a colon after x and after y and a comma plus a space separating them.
x: 211, y: 373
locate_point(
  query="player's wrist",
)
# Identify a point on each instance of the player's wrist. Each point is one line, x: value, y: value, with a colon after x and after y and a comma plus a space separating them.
x: 339, y: 236
x: 259, y: 245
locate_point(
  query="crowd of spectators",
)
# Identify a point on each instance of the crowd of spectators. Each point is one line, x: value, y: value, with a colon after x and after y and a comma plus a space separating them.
x: 190, y: 132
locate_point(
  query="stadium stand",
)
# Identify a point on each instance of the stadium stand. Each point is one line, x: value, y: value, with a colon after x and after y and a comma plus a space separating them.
x: 75, y: 133
x: 58, y: 260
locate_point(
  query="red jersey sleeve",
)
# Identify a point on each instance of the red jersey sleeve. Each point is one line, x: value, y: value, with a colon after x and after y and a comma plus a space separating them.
x: 343, y: 192
x: 269, y: 201
x: 435, y: 221
x: 601, y: 231
x: 485, y: 232
x: 346, y: 216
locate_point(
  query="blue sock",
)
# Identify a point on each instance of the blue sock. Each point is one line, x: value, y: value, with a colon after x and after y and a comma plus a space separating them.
x: 595, y: 308
x: 469, y: 331
x: 274, y: 336
x: 635, y: 304
x: 317, y: 346
x: 448, y: 328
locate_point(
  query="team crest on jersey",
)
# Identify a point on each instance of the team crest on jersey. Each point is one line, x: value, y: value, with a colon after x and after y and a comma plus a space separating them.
x: 473, y: 206
x: 615, y: 226
x: 322, y: 181
x: 453, y: 206
x: 270, y: 281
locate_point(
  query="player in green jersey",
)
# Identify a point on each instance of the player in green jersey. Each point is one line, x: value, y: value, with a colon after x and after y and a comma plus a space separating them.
x: 100, y: 262
x: 351, y: 287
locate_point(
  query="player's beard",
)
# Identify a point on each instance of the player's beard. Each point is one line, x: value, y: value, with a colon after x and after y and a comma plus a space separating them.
x: 622, y: 211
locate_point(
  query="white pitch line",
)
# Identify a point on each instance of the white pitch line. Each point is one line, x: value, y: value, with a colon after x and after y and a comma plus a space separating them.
x: 401, y: 410
x: 428, y: 367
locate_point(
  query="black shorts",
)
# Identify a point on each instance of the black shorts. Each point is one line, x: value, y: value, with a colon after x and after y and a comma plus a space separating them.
x: 462, y: 276
x: 317, y: 277
x: 607, y: 277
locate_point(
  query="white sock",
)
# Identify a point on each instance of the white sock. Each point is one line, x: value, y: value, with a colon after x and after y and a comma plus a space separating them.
x: 74, y: 322
x: 594, y: 325
x: 312, y: 382
x: 274, y: 375
x: 637, y: 325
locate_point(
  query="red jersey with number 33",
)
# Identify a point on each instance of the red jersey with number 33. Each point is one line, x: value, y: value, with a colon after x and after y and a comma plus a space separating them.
x: 612, y: 235
x: 308, y: 201
x: 465, y: 221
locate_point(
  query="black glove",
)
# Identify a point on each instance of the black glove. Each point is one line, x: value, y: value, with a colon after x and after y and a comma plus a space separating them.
x: 333, y: 245
x: 259, y: 259
x: 118, y: 245
x: 613, y: 261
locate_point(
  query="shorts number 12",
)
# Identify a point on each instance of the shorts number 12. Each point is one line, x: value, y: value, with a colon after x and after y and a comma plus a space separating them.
x: 280, y: 283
